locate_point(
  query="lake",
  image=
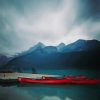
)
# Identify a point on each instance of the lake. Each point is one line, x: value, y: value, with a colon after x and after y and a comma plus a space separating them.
x: 54, y: 92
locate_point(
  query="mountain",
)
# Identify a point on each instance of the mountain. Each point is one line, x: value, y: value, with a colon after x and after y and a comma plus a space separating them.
x: 37, y: 47
x: 3, y: 59
x: 60, y: 47
x: 50, y: 49
x: 82, y: 45
x: 82, y: 54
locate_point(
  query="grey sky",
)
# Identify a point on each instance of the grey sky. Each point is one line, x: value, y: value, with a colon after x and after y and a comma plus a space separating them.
x: 23, y: 23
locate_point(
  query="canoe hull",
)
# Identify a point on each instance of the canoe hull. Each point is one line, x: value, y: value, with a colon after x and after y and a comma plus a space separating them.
x: 42, y: 81
x: 58, y: 81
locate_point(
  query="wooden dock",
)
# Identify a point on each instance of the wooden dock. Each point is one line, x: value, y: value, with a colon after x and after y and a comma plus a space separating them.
x: 16, y: 75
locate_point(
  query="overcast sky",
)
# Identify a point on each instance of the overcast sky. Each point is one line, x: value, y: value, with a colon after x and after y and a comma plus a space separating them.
x: 23, y: 23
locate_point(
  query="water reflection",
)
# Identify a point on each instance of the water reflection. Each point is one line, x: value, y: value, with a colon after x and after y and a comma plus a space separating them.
x: 51, y: 92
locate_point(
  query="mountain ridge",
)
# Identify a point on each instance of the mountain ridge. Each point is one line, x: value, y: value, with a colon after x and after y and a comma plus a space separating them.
x: 75, y: 46
x: 48, y: 57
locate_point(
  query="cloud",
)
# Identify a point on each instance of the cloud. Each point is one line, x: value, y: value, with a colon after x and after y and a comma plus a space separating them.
x: 48, y: 26
x: 29, y: 27
x: 23, y: 23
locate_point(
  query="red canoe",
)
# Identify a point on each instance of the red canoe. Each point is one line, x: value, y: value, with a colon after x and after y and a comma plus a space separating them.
x: 48, y: 80
x: 44, y: 81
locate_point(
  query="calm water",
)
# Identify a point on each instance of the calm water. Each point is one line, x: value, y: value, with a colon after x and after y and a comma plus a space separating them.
x: 52, y: 92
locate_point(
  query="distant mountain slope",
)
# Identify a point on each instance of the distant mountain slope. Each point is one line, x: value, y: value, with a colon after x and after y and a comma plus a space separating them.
x: 81, y: 54
x: 82, y: 45
x: 60, y: 47
x: 37, y: 47
x: 50, y: 49
x: 4, y: 59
